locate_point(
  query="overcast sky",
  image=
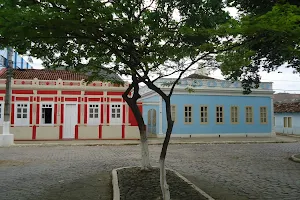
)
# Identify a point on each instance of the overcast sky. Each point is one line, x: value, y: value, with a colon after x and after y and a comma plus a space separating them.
x: 282, y: 82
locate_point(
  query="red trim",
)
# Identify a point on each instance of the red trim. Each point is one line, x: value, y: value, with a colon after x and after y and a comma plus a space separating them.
x: 31, y: 99
x: 94, y: 99
x: 116, y: 99
x: 22, y: 98
x: 123, y: 114
x: 60, y: 132
x: 2, y: 91
x: 1, y: 98
x: 12, y: 116
x: 85, y: 113
x: 47, y: 99
x: 37, y: 113
x: 34, y: 132
x: 30, y: 114
x: 70, y: 99
x: 55, y: 113
x: 71, y: 92
x: 55, y: 99
x: 78, y: 114
x: 38, y: 99
x: 62, y: 113
x: 102, y: 115
x: 123, y: 131
x: 22, y: 92
x: 100, y: 131
x: 93, y: 93
x: 62, y: 99
x: 115, y: 93
x: 76, y: 132
x: 47, y: 92
x: 13, y: 98
x: 107, y: 112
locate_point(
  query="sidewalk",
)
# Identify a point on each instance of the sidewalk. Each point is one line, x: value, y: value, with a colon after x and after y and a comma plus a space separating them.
x: 159, y: 141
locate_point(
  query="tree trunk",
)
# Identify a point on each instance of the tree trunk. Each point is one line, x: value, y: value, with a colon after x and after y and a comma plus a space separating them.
x: 163, y: 178
x: 132, y: 103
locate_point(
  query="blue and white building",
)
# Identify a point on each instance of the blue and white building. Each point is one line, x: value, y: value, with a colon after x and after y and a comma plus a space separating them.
x: 18, y: 60
x: 287, y: 118
x: 214, y: 108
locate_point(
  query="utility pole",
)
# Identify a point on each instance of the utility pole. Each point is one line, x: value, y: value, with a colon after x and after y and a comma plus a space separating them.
x: 7, y: 139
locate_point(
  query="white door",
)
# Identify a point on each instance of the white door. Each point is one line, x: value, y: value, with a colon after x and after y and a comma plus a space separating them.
x: 70, y: 120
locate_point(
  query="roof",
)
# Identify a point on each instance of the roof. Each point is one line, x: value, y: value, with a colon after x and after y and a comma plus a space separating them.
x: 293, y: 107
x: 198, y: 76
x: 47, y: 74
x: 286, y: 98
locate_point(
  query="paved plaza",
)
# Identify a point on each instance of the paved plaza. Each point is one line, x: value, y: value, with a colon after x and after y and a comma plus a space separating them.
x: 224, y: 171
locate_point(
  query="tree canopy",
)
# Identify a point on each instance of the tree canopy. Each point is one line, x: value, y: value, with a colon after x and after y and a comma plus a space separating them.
x: 121, y: 36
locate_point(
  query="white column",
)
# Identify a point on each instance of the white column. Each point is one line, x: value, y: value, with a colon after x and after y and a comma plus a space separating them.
x: 160, y: 116
x: 273, y: 134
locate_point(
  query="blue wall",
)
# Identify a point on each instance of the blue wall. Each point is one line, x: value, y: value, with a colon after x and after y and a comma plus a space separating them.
x: 279, y: 128
x: 226, y: 101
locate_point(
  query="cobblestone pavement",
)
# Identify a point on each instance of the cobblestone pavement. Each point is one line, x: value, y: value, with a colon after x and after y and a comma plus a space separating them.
x: 225, y: 171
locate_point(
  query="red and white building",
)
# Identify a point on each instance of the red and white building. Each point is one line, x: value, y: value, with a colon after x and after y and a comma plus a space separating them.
x: 57, y: 105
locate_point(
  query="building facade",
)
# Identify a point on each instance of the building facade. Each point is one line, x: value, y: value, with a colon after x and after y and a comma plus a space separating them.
x: 18, y: 61
x: 55, y: 105
x: 209, y: 107
x: 287, y: 118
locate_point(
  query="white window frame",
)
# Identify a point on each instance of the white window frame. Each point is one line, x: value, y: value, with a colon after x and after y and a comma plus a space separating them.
x: 287, y: 122
x: 263, y: 115
x: 94, y: 121
x: 174, y: 112
x: 41, y: 113
x: 204, y: 114
x: 219, y: 114
x: 21, y: 122
x: 115, y: 121
x: 188, y: 114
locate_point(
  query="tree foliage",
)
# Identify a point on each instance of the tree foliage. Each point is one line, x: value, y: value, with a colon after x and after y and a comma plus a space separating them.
x: 271, y: 37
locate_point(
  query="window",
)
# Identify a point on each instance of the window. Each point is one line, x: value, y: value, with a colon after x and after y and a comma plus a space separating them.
x: 287, y: 122
x: 263, y: 115
x: 203, y: 114
x: 47, y: 113
x: 234, y: 114
x: 187, y: 114
x: 116, y: 114
x: 94, y: 114
x: 219, y: 115
x: 21, y: 117
x: 173, y: 112
x: 249, y: 114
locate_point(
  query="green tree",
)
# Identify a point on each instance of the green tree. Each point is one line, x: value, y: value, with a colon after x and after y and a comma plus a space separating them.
x: 270, y: 31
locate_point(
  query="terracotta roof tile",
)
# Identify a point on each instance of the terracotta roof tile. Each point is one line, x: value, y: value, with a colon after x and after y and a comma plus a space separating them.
x: 287, y: 107
x: 44, y: 74
x: 47, y: 74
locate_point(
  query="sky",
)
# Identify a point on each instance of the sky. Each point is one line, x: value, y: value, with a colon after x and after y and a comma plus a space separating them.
x: 286, y: 81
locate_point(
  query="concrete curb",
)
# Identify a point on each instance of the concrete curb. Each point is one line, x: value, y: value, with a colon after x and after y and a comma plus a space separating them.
x: 152, y: 143
x: 116, y: 189
x: 293, y: 158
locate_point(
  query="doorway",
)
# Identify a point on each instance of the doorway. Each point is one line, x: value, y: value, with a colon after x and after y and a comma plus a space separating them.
x: 151, y: 125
